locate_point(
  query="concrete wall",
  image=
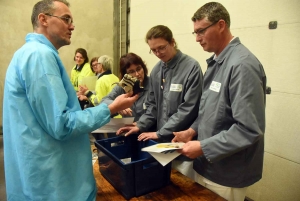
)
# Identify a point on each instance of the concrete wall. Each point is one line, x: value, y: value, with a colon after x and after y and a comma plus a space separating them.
x: 278, y: 50
x: 94, y: 31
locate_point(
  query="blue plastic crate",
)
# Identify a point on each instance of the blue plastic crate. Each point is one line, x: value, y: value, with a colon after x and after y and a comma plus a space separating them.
x: 140, y: 176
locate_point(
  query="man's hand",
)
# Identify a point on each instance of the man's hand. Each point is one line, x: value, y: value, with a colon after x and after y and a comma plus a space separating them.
x: 192, y: 149
x: 128, y: 130
x: 147, y: 136
x: 122, y: 102
x: 127, y: 112
x: 184, y: 136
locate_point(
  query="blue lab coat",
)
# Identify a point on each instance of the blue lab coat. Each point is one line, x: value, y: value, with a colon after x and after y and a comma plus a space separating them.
x: 47, y: 151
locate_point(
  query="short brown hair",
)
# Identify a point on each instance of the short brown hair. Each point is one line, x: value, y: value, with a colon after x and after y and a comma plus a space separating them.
x: 159, y: 31
x: 44, y: 6
x: 214, y: 12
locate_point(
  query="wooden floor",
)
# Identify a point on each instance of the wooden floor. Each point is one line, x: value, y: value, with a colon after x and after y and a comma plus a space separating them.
x: 180, y: 189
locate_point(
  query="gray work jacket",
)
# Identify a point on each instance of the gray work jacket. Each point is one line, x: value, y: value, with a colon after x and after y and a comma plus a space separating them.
x: 174, y: 95
x: 231, y: 121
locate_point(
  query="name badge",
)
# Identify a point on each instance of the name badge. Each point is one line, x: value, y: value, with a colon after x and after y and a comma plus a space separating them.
x: 215, y: 86
x: 176, y: 87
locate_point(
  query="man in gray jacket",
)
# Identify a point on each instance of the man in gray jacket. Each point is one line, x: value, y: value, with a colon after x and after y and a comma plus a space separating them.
x: 231, y: 120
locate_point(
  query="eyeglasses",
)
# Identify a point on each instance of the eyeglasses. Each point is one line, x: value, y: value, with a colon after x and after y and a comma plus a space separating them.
x: 133, y: 72
x: 67, y: 20
x: 201, y: 32
x: 160, y: 49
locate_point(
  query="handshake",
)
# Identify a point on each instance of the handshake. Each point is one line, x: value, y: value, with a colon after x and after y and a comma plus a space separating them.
x: 130, y: 84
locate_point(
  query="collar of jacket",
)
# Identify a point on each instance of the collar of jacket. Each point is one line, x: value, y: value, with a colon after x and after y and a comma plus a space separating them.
x: 79, y: 68
x: 105, y: 73
x: 40, y: 38
x: 222, y: 56
x: 172, y: 63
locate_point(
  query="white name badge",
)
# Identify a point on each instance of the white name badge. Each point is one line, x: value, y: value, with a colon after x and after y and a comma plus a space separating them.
x: 215, y: 86
x: 176, y: 87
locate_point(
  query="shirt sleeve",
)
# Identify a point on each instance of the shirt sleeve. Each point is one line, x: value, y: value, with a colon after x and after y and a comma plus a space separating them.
x: 194, y: 126
x: 117, y: 90
x: 53, y: 101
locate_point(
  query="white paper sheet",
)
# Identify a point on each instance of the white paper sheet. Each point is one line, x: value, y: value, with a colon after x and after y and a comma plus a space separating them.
x: 114, y: 125
x: 164, y: 152
x: 90, y: 82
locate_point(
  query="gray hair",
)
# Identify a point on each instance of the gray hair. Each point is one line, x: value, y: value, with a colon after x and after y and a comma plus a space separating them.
x: 106, y: 62
x: 214, y: 12
x: 44, y: 6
